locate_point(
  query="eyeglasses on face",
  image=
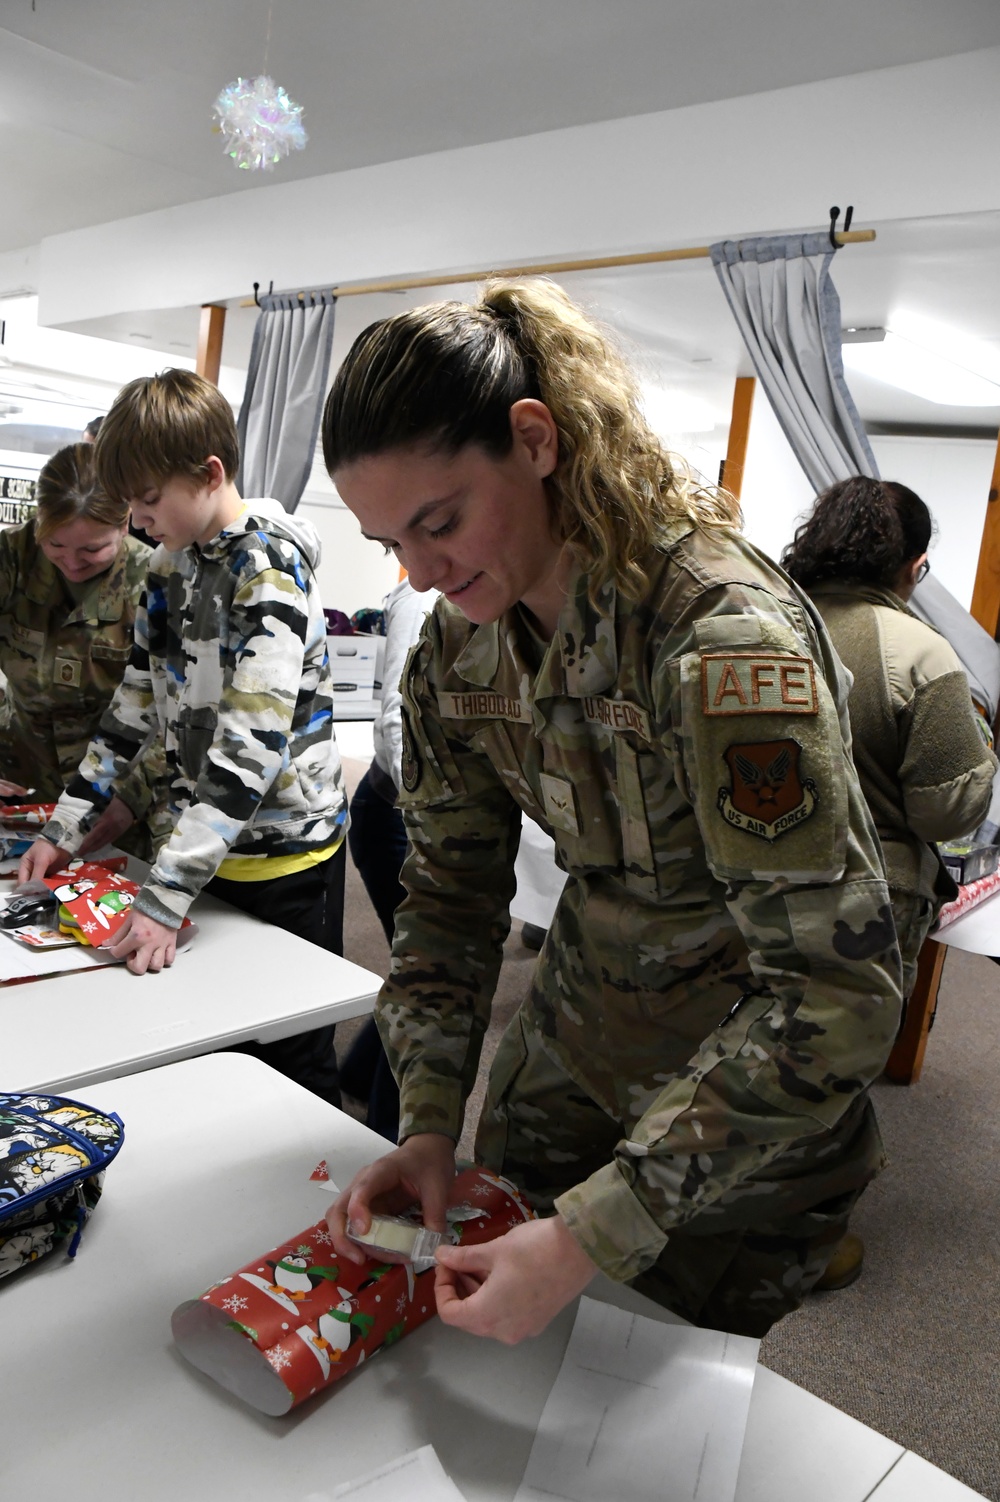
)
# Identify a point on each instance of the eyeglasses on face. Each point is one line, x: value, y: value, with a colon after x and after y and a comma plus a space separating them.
x: 923, y: 570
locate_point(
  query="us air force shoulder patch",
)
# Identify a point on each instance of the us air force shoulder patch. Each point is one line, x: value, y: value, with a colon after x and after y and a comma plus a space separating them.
x: 739, y: 683
x: 768, y: 795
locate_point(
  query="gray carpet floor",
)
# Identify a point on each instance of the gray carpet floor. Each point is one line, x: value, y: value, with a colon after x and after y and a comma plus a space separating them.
x: 913, y: 1348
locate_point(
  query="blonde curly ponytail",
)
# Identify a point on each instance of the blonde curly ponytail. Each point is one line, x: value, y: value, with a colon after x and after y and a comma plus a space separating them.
x: 448, y: 374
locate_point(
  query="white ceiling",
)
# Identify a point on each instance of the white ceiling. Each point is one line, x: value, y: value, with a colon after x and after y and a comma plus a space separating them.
x: 105, y: 112
x: 105, y: 105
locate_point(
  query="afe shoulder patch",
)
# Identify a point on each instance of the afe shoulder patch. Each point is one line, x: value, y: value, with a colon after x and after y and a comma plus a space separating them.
x: 740, y: 683
x: 768, y: 795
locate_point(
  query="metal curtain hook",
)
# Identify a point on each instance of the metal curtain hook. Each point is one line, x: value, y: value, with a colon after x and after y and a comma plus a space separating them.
x: 834, y: 216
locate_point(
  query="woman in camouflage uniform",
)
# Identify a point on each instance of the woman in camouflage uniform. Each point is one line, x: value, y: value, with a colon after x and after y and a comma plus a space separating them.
x: 924, y: 766
x: 70, y: 581
x: 685, y: 1086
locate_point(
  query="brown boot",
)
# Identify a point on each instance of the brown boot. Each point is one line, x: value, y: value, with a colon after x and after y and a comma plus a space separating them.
x: 844, y: 1267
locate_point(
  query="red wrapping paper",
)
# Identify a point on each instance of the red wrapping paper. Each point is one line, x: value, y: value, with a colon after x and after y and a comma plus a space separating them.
x: 296, y: 1320
x: 968, y: 898
x: 21, y: 816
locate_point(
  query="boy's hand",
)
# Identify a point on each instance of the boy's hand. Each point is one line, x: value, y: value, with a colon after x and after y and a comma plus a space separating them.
x: 150, y: 945
x: 11, y: 789
x: 40, y: 859
x: 114, y: 821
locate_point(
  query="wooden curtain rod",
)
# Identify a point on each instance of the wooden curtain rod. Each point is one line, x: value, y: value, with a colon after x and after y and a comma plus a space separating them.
x: 546, y: 268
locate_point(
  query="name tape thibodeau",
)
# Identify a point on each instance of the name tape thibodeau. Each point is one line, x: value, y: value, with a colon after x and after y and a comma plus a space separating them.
x: 483, y: 704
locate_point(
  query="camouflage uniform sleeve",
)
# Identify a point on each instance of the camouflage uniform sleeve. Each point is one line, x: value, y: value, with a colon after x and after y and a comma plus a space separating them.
x: 946, y: 773
x: 759, y: 752
x: 269, y: 621
x: 464, y: 829
x: 126, y: 726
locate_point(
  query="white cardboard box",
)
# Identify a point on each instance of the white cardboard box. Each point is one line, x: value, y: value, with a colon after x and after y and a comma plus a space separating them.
x: 355, y: 665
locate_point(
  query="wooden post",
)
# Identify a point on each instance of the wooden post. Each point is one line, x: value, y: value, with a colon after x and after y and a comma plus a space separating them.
x: 985, y: 605
x: 907, y: 1057
x: 209, y: 359
x: 731, y: 478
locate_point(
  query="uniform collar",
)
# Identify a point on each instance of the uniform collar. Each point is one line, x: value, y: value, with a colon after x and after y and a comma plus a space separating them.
x: 101, y: 601
x: 874, y: 594
x: 581, y: 659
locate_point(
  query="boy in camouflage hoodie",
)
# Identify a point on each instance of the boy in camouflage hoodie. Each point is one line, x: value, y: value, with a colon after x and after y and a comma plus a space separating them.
x: 230, y: 667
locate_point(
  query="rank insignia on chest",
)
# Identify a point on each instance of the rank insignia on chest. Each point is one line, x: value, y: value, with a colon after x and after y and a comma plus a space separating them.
x: 560, y: 803
x: 768, y: 796
x: 66, y: 670
x: 734, y: 683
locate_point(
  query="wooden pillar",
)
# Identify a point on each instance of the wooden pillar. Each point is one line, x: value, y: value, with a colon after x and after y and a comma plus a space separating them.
x: 907, y: 1057
x: 985, y: 605
x: 731, y: 478
x: 209, y: 359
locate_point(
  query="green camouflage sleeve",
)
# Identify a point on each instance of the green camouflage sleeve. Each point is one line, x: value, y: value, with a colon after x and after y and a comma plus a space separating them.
x: 759, y: 752
x: 464, y: 829
x: 947, y: 770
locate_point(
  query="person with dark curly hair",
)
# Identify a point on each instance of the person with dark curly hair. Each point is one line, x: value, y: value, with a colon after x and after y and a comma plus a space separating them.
x: 924, y: 767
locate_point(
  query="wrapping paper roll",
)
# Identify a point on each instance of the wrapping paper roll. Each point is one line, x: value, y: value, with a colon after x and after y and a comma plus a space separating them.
x: 295, y: 1320
x: 968, y: 898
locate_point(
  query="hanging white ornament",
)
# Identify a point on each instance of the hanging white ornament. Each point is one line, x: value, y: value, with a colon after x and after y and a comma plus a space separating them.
x: 259, y: 123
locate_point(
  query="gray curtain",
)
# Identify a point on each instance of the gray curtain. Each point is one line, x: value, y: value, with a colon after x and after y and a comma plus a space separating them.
x: 784, y: 301
x: 283, y: 402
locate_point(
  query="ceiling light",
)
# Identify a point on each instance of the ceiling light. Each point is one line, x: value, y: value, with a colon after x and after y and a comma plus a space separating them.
x: 926, y: 360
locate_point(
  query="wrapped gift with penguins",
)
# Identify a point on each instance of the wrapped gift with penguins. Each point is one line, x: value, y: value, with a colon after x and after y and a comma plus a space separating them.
x: 297, y: 1319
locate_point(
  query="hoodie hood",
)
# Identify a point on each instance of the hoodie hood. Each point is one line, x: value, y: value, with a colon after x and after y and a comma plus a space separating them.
x: 264, y: 513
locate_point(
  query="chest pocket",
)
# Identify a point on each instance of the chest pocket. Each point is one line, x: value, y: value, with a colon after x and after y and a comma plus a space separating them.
x: 494, y: 740
x: 112, y: 653
x: 24, y: 641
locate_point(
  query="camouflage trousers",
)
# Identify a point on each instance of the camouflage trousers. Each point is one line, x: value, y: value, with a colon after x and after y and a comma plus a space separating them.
x: 728, y: 1268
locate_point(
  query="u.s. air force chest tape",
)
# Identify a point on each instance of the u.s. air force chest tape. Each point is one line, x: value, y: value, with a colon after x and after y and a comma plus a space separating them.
x: 765, y: 762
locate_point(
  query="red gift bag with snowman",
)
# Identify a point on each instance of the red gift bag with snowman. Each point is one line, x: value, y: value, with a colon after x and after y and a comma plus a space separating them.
x: 294, y: 1321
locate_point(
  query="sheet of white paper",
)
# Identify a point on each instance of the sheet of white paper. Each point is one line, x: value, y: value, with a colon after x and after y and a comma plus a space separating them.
x: 19, y: 963
x: 642, y: 1412
x: 418, y: 1476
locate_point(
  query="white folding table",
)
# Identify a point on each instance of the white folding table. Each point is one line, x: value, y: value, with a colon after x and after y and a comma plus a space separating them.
x: 240, y: 979
x: 215, y: 1168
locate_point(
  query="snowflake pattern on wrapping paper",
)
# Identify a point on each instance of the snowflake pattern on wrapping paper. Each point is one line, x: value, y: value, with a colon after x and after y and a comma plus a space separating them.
x: 402, y: 1303
x: 324, y: 1238
x: 278, y: 1358
x: 234, y: 1303
x: 481, y: 1191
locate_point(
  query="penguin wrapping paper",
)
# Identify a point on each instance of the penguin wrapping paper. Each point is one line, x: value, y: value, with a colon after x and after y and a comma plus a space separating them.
x: 295, y: 1320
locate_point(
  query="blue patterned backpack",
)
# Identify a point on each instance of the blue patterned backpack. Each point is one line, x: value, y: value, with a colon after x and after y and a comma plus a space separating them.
x: 53, y: 1153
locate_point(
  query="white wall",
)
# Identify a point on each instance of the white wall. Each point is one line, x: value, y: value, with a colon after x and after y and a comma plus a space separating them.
x: 775, y: 493
x: 953, y: 476
x: 353, y: 573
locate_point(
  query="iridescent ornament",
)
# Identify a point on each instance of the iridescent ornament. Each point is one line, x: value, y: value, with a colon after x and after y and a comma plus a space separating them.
x: 259, y: 122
